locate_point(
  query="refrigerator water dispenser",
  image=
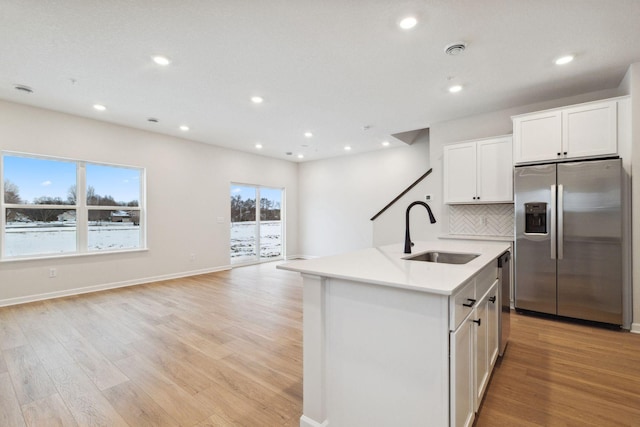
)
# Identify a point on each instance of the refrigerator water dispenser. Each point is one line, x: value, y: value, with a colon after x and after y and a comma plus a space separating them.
x: 535, y: 218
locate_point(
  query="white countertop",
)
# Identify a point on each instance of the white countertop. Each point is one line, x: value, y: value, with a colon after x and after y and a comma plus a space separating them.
x: 477, y: 237
x: 387, y: 266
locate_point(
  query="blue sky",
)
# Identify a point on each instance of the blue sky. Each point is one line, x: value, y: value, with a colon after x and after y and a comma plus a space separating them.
x: 247, y: 192
x: 38, y: 177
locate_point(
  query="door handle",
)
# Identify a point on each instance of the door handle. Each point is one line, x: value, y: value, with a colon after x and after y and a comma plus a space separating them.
x: 492, y: 299
x: 553, y: 222
x: 471, y: 304
x: 479, y: 321
x: 560, y: 237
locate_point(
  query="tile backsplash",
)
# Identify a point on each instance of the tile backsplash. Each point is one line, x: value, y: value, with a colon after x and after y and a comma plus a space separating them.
x: 481, y: 220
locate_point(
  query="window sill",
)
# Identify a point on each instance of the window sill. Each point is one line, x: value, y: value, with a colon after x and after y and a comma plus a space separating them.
x: 72, y: 255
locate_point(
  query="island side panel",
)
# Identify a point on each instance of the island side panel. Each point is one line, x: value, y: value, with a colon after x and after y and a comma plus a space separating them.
x: 313, y: 352
x: 386, y: 354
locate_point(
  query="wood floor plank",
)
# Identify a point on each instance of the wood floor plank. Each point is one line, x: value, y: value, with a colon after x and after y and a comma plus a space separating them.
x: 3, y: 364
x: 48, y: 412
x: 48, y: 349
x: 97, y: 367
x: 136, y: 407
x: 85, y: 402
x: 10, y: 412
x: 29, y: 377
x: 162, y: 357
x: 178, y: 403
x: 11, y: 335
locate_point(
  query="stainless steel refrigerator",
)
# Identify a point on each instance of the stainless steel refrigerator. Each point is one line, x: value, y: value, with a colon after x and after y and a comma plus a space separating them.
x: 568, y: 249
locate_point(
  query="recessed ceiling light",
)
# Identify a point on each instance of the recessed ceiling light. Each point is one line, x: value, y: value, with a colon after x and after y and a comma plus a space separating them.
x: 257, y: 99
x: 99, y: 107
x: 347, y: 148
x: 564, y: 59
x: 301, y: 156
x: 184, y: 128
x: 161, y: 60
x: 408, y: 23
x: 308, y: 134
x: 258, y: 146
x: 455, y: 88
x: 385, y: 143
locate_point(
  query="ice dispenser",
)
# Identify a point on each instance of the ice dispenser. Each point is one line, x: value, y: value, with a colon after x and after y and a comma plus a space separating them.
x: 535, y: 218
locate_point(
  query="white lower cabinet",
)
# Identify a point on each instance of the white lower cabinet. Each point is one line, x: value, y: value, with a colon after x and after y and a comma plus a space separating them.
x: 473, y: 346
x: 461, y: 375
x: 486, y: 341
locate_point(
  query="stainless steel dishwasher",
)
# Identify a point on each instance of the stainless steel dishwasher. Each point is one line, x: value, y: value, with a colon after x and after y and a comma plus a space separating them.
x: 504, y: 273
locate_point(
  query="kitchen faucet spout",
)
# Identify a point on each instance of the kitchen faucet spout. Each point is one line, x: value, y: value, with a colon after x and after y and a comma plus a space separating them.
x: 407, y: 238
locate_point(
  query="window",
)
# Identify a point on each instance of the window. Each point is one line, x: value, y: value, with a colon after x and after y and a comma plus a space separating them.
x: 44, y: 214
x: 256, y: 225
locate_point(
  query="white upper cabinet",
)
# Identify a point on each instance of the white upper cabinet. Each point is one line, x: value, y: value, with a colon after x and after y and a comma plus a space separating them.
x: 479, y: 171
x: 587, y: 130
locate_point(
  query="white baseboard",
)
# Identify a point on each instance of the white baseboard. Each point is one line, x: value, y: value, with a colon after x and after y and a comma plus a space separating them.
x: 635, y: 328
x: 103, y: 287
x: 308, y: 422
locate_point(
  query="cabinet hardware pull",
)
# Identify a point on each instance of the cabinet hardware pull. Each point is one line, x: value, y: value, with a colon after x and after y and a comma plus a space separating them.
x: 559, y: 154
x: 472, y: 302
x: 492, y: 299
x: 479, y: 321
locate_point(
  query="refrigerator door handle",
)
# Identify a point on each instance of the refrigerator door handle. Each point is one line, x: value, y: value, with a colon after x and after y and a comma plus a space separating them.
x: 560, y: 224
x: 553, y: 222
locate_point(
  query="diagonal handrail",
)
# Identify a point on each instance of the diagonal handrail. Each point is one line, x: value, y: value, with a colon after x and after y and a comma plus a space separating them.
x: 417, y: 181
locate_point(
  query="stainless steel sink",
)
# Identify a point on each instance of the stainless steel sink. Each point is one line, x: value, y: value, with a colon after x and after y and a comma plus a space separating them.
x: 443, y: 257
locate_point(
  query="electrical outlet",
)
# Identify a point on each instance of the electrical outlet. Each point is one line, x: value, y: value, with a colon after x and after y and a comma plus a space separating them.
x: 428, y: 197
x: 53, y: 273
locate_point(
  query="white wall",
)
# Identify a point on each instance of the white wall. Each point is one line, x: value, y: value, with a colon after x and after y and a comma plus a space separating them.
x: 188, y: 186
x: 339, y: 196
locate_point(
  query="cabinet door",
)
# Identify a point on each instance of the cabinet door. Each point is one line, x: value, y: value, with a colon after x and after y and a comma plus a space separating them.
x: 459, y: 172
x: 493, y: 318
x: 590, y: 130
x: 537, y: 137
x: 482, y: 350
x: 495, y: 170
x: 461, y: 374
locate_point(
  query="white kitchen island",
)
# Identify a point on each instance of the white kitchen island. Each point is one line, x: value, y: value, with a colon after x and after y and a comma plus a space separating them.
x: 379, y: 330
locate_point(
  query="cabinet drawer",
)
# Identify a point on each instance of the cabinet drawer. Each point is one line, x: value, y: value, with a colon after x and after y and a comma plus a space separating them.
x: 485, y: 279
x: 461, y: 304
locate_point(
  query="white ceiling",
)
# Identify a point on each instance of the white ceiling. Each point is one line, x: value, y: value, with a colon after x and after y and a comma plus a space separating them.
x: 332, y: 67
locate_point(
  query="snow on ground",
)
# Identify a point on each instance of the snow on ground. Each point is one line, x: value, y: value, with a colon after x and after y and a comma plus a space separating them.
x: 36, y: 239
x: 23, y: 239
x: 243, y: 241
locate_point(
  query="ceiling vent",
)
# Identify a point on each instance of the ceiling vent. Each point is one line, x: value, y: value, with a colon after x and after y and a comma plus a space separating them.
x: 455, y: 48
x: 23, y: 88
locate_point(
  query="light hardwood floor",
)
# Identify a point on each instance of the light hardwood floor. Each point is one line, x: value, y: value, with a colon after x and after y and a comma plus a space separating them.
x: 225, y: 349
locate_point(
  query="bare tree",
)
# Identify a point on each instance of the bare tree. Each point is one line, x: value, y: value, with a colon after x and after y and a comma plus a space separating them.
x: 11, y: 192
x: 72, y: 195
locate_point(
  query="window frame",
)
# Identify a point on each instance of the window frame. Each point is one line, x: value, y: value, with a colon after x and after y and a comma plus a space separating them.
x: 81, y: 207
x: 259, y: 258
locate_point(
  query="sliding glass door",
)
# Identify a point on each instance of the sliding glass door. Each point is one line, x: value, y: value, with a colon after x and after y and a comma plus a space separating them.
x: 257, y: 231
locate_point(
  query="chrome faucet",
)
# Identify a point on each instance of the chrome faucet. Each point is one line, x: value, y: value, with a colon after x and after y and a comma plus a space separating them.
x: 407, y: 238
